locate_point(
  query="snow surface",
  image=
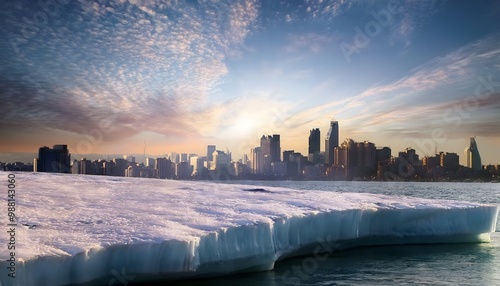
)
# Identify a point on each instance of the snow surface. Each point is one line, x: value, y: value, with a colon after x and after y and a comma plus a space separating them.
x: 76, y: 229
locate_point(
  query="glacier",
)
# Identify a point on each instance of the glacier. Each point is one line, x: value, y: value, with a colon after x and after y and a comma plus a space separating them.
x: 74, y: 229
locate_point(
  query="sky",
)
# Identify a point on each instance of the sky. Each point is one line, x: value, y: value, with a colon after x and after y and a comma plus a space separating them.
x: 109, y: 77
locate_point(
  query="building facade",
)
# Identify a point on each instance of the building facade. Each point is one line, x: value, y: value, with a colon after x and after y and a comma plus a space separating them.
x: 472, y: 157
x: 331, y: 142
x: 55, y: 160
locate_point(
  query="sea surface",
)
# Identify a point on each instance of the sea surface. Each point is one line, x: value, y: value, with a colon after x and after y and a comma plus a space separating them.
x: 438, y: 264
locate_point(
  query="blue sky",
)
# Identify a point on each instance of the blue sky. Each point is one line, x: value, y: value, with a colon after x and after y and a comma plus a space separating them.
x: 105, y: 76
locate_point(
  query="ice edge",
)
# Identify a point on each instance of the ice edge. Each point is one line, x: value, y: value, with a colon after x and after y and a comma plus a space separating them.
x: 256, y: 247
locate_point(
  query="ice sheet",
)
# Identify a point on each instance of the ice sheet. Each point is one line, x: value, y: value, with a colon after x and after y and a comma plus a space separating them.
x: 76, y: 228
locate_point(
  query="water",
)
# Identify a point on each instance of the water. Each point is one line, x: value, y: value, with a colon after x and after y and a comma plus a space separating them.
x: 450, y: 264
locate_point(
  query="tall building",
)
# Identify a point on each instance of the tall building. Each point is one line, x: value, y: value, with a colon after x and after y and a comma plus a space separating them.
x: 56, y: 160
x: 472, y: 157
x: 182, y: 170
x: 210, y: 152
x: 174, y: 157
x: 409, y: 157
x: 314, y: 141
x: 356, y: 158
x: 295, y: 164
x: 271, y: 152
x: 75, y: 168
x: 275, y: 148
x: 449, y: 161
x: 257, y: 160
x: 196, y: 165
x: 164, y: 167
x: 132, y: 171
x: 129, y: 158
x: 184, y: 157
x: 331, y: 141
x: 221, y: 160
x: 431, y: 162
x: 120, y: 166
x: 286, y: 155
x: 86, y: 167
x: 149, y: 162
x: 270, y: 145
x: 383, y: 154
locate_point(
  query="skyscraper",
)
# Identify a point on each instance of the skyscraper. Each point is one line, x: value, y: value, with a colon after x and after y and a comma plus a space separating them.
x: 331, y: 141
x: 257, y: 160
x: 472, y: 157
x: 184, y: 157
x: 314, y: 141
x: 210, y: 152
x: 275, y: 148
x: 270, y: 145
x: 56, y: 160
x: 164, y: 167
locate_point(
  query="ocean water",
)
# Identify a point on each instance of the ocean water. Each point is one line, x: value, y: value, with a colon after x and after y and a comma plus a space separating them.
x: 438, y: 264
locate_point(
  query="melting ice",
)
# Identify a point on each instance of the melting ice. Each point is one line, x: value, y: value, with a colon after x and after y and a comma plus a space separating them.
x: 76, y: 229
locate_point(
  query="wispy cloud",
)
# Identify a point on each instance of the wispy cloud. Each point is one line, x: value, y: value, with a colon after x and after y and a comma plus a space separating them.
x: 414, y: 15
x: 463, y: 64
x: 145, y: 65
x: 418, y: 100
x: 310, y: 42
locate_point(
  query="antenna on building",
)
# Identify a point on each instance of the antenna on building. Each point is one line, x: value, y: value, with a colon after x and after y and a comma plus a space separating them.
x: 435, y: 148
x: 144, y: 150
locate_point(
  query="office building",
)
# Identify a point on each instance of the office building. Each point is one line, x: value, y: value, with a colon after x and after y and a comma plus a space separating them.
x: 196, y: 165
x: 331, y: 142
x: 449, y: 161
x: 270, y: 145
x: 184, y: 157
x: 119, y: 167
x: 257, y: 160
x: 383, y: 154
x: 149, y: 162
x: 221, y: 160
x: 472, y: 157
x: 210, y: 152
x: 314, y: 141
x: 356, y: 158
x: 129, y: 158
x: 55, y: 160
x: 164, y: 168
x: 174, y: 157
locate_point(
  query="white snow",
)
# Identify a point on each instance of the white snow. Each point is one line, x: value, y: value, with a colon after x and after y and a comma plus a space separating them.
x: 98, y: 228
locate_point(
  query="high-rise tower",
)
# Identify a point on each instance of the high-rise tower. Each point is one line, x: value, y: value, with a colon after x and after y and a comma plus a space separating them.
x: 210, y: 152
x: 56, y: 160
x: 472, y: 157
x: 314, y: 141
x: 270, y: 145
x: 331, y: 141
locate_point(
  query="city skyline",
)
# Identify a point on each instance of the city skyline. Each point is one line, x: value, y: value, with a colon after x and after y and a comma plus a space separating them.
x: 352, y: 160
x: 105, y: 77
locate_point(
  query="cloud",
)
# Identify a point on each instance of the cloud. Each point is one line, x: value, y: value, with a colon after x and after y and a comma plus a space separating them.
x: 414, y: 15
x: 327, y: 8
x: 142, y: 65
x: 309, y: 41
x: 463, y: 64
x: 418, y: 100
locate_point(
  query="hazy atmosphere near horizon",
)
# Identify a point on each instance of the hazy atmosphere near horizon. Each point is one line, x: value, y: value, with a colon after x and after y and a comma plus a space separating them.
x: 183, y: 74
